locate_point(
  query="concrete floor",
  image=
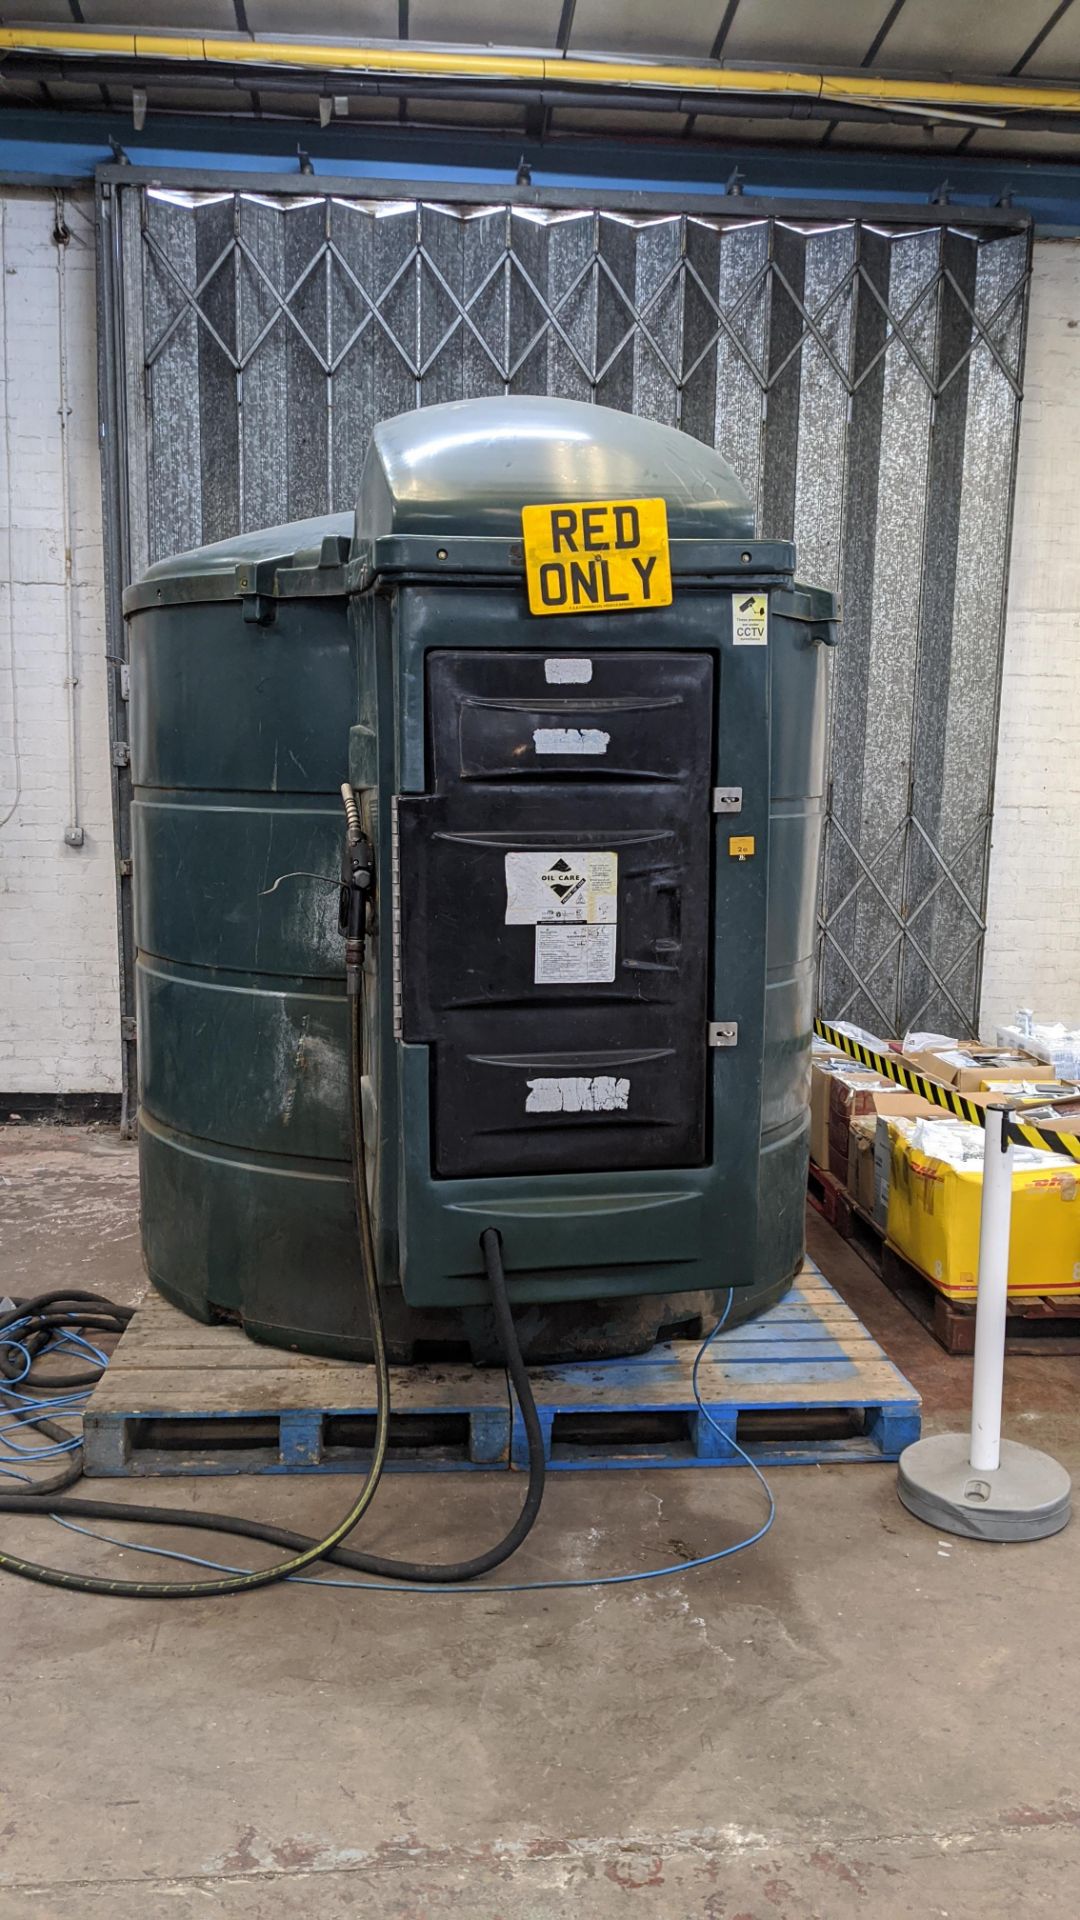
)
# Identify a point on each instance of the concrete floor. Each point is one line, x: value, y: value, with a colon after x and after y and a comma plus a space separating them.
x: 857, y: 1717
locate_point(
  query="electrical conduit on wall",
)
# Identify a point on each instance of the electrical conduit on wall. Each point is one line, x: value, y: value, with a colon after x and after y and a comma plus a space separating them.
x: 73, y: 832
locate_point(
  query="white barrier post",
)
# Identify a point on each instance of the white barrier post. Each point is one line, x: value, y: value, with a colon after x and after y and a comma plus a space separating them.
x: 979, y: 1484
x: 992, y: 1305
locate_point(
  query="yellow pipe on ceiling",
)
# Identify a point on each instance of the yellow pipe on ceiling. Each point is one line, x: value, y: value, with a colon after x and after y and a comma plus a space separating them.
x: 457, y: 63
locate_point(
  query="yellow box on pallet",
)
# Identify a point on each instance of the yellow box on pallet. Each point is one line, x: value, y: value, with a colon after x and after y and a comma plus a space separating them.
x: 933, y: 1220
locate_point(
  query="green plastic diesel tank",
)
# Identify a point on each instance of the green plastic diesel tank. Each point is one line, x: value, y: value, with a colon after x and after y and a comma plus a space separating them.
x: 588, y: 744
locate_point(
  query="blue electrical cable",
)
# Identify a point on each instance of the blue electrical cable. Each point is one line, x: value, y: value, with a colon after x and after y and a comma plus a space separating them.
x: 67, y: 1337
x: 27, y: 1363
x: 19, y: 1410
x: 521, y: 1586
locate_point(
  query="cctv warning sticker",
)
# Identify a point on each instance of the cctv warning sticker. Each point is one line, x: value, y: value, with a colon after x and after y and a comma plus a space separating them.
x: 544, y: 888
x: 750, y: 619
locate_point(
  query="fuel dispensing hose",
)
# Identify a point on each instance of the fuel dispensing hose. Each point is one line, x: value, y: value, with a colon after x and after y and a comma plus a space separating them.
x: 304, y: 1550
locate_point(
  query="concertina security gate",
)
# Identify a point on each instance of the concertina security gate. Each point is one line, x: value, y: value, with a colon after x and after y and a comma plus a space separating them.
x: 861, y: 374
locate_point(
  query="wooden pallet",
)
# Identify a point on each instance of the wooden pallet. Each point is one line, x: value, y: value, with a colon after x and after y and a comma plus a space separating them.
x: 829, y: 1197
x: 804, y: 1383
x: 1046, y: 1324
x: 1043, y: 1324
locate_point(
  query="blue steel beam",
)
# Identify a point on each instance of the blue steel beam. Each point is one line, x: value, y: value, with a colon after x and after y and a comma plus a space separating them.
x: 63, y: 148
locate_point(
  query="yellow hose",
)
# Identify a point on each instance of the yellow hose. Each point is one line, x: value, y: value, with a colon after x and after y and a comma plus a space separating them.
x: 541, y: 69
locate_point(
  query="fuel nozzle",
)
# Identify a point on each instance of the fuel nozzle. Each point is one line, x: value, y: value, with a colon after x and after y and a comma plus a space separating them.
x: 357, y: 889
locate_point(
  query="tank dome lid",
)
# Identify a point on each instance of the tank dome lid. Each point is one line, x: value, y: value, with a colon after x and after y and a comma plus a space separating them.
x: 469, y: 466
x: 299, y: 541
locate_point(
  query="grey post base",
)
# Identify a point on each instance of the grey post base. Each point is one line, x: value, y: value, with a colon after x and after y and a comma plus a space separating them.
x: 1029, y: 1497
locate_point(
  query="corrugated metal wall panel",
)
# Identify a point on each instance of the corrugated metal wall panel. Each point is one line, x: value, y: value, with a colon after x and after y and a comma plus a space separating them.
x: 864, y: 381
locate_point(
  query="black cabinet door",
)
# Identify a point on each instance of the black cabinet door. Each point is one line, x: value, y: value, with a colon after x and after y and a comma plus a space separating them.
x: 555, y: 909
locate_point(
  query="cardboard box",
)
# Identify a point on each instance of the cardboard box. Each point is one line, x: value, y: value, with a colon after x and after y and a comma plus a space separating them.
x: 894, y: 1105
x: 850, y: 1095
x: 972, y: 1069
x: 1032, y: 1092
x: 822, y: 1074
x: 933, y: 1220
x: 824, y: 1050
x: 1003, y: 1093
x: 860, y: 1175
x: 819, y: 1113
x: 882, y: 1162
x: 1068, y: 1110
x: 898, y: 1103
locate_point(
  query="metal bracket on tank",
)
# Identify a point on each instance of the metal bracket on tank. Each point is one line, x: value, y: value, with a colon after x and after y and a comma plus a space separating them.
x: 255, y: 582
x: 727, y: 799
x: 723, y: 1033
x: 259, y: 610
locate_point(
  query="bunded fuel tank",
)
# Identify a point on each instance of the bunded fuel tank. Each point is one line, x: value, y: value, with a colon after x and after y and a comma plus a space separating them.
x: 583, y: 708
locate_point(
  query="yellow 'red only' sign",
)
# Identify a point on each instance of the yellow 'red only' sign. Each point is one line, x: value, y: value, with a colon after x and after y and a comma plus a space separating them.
x: 597, y: 556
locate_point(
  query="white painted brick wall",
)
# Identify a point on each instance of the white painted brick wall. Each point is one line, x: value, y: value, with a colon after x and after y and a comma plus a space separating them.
x: 59, y: 998
x: 1033, y: 936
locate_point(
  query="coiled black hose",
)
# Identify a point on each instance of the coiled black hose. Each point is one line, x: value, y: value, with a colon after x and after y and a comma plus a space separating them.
x: 428, y: 1573
x: 48, y: 1313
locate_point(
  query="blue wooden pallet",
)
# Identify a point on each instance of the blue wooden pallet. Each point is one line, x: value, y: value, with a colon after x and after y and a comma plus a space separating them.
x: 806, y: 1383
